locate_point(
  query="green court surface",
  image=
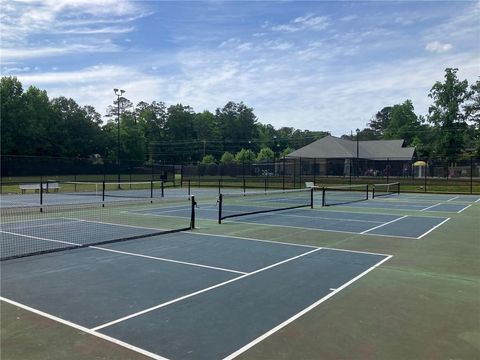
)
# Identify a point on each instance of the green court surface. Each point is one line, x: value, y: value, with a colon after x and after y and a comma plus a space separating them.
x: 423, y: 303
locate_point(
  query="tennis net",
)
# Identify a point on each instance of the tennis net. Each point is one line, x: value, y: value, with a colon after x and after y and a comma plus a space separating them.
x: 385, y: 189
x: 38, y: 230
x: 339, y: 195
x: 248, y: 203
x: 137, y: 189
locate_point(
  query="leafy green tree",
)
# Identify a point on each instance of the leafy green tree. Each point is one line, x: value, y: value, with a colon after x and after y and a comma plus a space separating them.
x: 180, y: 132
x: 380, y: 123
x: 265, y: 153
x: 152, y: 119
x: 236, y: 124
x: 446, y: 114
x: 227, y: 158
x: 472, y: 113
x: 73, y: 129
x: 208, y: 160
x: 13, y: 124
x: 245, y: 156
x: 287, y: 151
x: 207, y: 134
x: 403, y: 124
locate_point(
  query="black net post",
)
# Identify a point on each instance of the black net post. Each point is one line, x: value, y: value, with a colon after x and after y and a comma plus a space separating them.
x: 189, y: 188
x: 151, y: 189
x: 323, y: 196
x: 220, y: 203
x: 41, y: 193
x: 244, y: 185
x: 103, y: 193
x: 192, y: 219
x: 367, y: 191
x: 311, y: 198
x: 162, y: 184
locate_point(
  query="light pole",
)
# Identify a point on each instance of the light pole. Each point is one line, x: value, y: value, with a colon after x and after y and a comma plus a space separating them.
x: 118, y: 92
x: 358, y: 131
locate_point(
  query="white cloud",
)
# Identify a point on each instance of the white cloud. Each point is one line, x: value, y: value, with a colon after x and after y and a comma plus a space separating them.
x: 307, y: 22
x: 438, y: 47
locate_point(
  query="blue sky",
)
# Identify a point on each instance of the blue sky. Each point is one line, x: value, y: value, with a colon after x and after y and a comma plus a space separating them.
x: 313, y: 65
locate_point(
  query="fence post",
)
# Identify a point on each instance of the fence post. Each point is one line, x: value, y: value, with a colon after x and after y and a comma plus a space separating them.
x: 283, y: 177
x: 471, y: 175
x: 425, y: 180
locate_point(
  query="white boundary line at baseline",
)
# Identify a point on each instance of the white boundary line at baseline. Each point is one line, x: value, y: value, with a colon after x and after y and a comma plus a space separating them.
x: 436, y: 226
x: 456, y: 197
x: 379, y: 226
x: 200, y: 291
x: 84, y: 329
x: 301, y: 313
x: 465, y: 208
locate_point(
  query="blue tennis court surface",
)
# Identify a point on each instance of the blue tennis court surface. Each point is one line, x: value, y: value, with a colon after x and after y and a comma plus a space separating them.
x: 319, y: 219
x: 183, y: 295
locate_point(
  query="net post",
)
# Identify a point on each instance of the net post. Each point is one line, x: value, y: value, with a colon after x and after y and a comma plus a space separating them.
x: 103, y: 193
x: 163, y: 188
x: 151, y: 190
x: 220, y: 203
x: 192, y: 216
x: 244, y: 186
x: 373, y: 191
x: 323, y: 196
x: 189, y: 188
x: 41, y: 194
x: 398, y: 189
x: 367, y: 193
x: 311, y: 198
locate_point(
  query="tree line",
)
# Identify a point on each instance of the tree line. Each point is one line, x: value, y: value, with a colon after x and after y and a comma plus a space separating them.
x: 33, y: 124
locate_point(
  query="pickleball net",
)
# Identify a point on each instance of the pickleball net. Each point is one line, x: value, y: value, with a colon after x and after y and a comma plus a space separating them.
x: 39, y: 230
x: 133, y: 190
x: 379, y: 190
x: 249, y: 203
x: 340, y: 195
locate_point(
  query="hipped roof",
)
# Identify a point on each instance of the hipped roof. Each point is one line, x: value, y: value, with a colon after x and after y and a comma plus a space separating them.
x: 332, y: 147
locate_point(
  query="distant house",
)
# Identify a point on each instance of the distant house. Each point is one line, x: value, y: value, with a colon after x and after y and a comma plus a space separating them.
x: 334, y: 156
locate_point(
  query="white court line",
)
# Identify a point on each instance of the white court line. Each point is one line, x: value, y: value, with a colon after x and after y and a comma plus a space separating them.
x: 456, y: 197
x: 436, y: 226
x: 465, y: 208
x: 40, y: 238
x: 167, y: 260
x: 379, y: 226
x: 427, y: 208
x: 199, y: 291
x: 285, y: 243
x: 84, y: 329
x: 477, y: 200
x: 301, y: 313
